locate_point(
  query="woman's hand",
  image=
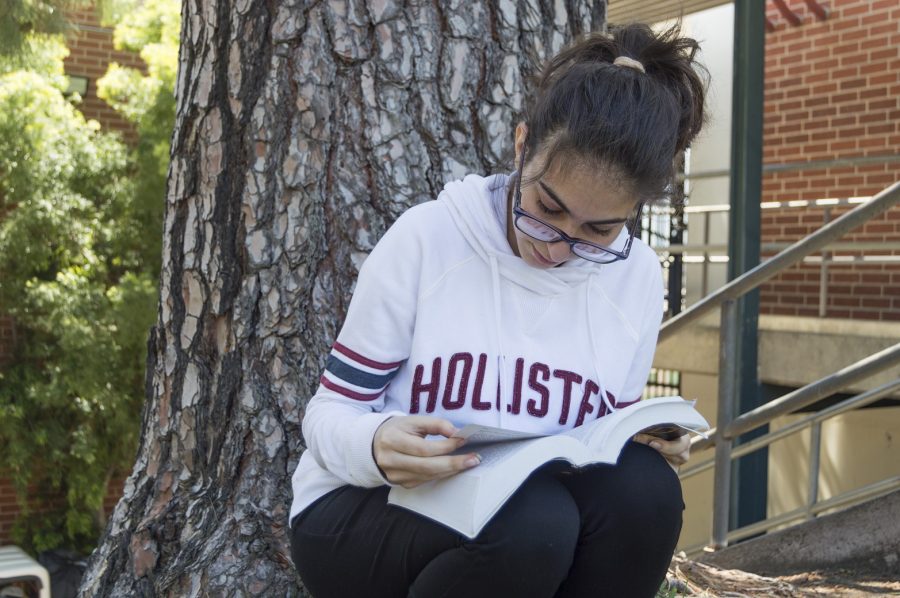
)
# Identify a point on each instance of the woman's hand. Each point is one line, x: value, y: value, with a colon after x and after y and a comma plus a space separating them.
x: 676, y: 452
x: 407, y: 459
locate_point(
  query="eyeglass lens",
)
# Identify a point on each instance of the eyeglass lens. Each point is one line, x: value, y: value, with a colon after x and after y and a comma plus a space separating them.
x: 537, y: 229
x: 542, y: 232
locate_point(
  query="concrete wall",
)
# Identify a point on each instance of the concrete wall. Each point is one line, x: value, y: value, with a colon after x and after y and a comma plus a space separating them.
x: 698, y: 489
x: 858, y: 448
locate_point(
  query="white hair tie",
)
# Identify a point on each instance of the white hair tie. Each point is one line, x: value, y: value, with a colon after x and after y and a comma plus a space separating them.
x: 629, y: 63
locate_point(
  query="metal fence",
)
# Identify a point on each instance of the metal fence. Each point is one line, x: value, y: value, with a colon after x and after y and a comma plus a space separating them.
x: 730, y: 425
x: 667, y: 229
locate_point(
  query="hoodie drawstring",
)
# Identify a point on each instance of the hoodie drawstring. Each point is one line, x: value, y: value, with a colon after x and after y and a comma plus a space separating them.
x: 498, y: 331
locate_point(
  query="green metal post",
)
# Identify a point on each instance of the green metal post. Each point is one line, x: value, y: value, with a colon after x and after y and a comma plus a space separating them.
x: 748, y: 486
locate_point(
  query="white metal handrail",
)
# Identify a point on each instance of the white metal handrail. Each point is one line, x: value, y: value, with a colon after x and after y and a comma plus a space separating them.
x: 795, y: 166
x: 790, y: 256
x: 706, y: 253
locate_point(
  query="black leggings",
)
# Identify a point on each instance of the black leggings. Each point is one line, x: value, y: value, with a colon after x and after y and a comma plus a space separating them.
x: 591, y: 532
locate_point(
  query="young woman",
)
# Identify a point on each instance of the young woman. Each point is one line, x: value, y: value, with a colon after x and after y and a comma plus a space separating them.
x: 522, y: 301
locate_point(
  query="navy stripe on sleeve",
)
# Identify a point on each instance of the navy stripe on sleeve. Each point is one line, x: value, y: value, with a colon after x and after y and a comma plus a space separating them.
x: 357, y: 377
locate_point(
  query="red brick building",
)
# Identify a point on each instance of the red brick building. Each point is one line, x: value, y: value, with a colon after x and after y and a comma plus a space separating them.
x: 831, y: 92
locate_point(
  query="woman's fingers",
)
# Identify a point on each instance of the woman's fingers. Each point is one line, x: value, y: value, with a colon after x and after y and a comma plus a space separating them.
x: 410, y: 471
x: 407, y: 435
x: 407, y: 458
x: 666, y: 447
x: 677, y: 452
x: 412, y: 444
x: 424, y: 425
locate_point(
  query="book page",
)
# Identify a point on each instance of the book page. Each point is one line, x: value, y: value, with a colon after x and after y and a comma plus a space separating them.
x: 624, y: 424
x: 474, y: 433
x: 491, y: 454
x: 657, y: 410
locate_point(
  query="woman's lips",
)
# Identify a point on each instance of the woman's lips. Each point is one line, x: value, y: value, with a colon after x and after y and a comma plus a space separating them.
x: 541, y: 259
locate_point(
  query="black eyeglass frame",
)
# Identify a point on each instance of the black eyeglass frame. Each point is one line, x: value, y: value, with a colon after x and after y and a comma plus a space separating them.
x: 518, y: 213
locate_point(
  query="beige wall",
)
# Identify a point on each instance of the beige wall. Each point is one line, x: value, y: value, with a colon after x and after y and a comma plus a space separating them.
x: 698, y: 493
x: 858, y: 448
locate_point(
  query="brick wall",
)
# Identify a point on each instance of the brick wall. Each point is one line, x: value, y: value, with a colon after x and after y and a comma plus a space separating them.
x: 90, y: 52
x: 831, y: 91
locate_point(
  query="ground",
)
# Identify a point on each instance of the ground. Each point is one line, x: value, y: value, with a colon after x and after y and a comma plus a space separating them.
x: 689, y: 578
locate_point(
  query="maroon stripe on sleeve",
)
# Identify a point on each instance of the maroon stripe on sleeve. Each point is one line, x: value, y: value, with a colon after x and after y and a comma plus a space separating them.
x: 364, y: 360
x: 346, y: 391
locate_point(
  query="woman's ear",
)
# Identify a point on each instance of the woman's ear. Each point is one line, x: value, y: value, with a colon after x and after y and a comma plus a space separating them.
x: 521, y: 135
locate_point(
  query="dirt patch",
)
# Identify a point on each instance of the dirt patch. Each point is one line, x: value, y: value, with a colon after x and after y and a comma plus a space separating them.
x: 846, y: 582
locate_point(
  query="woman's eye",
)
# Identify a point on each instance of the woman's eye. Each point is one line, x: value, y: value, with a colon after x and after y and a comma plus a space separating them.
x: 543, y: 207
x: 603, y: 232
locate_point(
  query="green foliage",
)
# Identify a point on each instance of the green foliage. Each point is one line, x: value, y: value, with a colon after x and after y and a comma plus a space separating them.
x: 21, y: 20
x: 40, y: 54
x: 80, y: 245
x: 667, y: 591
x: 151, y: 28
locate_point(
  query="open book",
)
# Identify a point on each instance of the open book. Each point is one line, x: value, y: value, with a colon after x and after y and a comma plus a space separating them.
x: 468, y: 500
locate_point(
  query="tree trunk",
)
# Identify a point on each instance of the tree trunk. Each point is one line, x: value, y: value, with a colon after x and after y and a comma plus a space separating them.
x: 303, y: 130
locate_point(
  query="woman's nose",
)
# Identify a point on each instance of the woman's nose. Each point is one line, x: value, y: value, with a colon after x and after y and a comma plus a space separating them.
x: 559, y: 251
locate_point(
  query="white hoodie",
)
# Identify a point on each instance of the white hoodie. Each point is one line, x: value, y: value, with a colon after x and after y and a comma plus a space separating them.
x: 446, y: 321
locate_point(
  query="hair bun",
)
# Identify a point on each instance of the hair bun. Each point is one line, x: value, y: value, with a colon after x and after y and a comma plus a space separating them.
x: 589, y: 108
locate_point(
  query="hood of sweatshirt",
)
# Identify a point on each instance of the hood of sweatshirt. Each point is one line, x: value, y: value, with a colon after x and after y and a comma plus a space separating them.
x: 473, y: 203
x: 478, y: 207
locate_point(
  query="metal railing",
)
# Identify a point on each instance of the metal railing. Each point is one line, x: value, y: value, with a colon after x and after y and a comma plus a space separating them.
x: 675, y: 255
x: 795, y: 166
x: 835, y: 253
x: 728, y: 427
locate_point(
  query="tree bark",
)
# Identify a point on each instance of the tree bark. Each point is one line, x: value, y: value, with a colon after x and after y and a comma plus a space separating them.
x: 303, y: 130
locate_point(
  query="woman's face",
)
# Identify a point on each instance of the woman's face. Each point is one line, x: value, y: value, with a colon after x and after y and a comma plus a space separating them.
x: 585, y: 204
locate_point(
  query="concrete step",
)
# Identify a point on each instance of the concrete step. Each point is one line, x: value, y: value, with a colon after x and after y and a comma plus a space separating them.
x: 866, y: 535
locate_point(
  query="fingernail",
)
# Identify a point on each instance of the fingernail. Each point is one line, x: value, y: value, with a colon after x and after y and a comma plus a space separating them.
x: 473, y: 461
x: 656, y: 445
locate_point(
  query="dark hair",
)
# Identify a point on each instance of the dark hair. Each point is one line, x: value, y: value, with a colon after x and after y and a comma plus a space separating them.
x: 635, y: 123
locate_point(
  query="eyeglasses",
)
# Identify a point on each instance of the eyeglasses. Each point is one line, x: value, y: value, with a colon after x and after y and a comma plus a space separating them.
x: 536, y: 228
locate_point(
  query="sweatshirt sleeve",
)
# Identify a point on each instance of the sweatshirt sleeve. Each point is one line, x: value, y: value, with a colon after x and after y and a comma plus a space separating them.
x: 639, y: 371
x: 374, y: 341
